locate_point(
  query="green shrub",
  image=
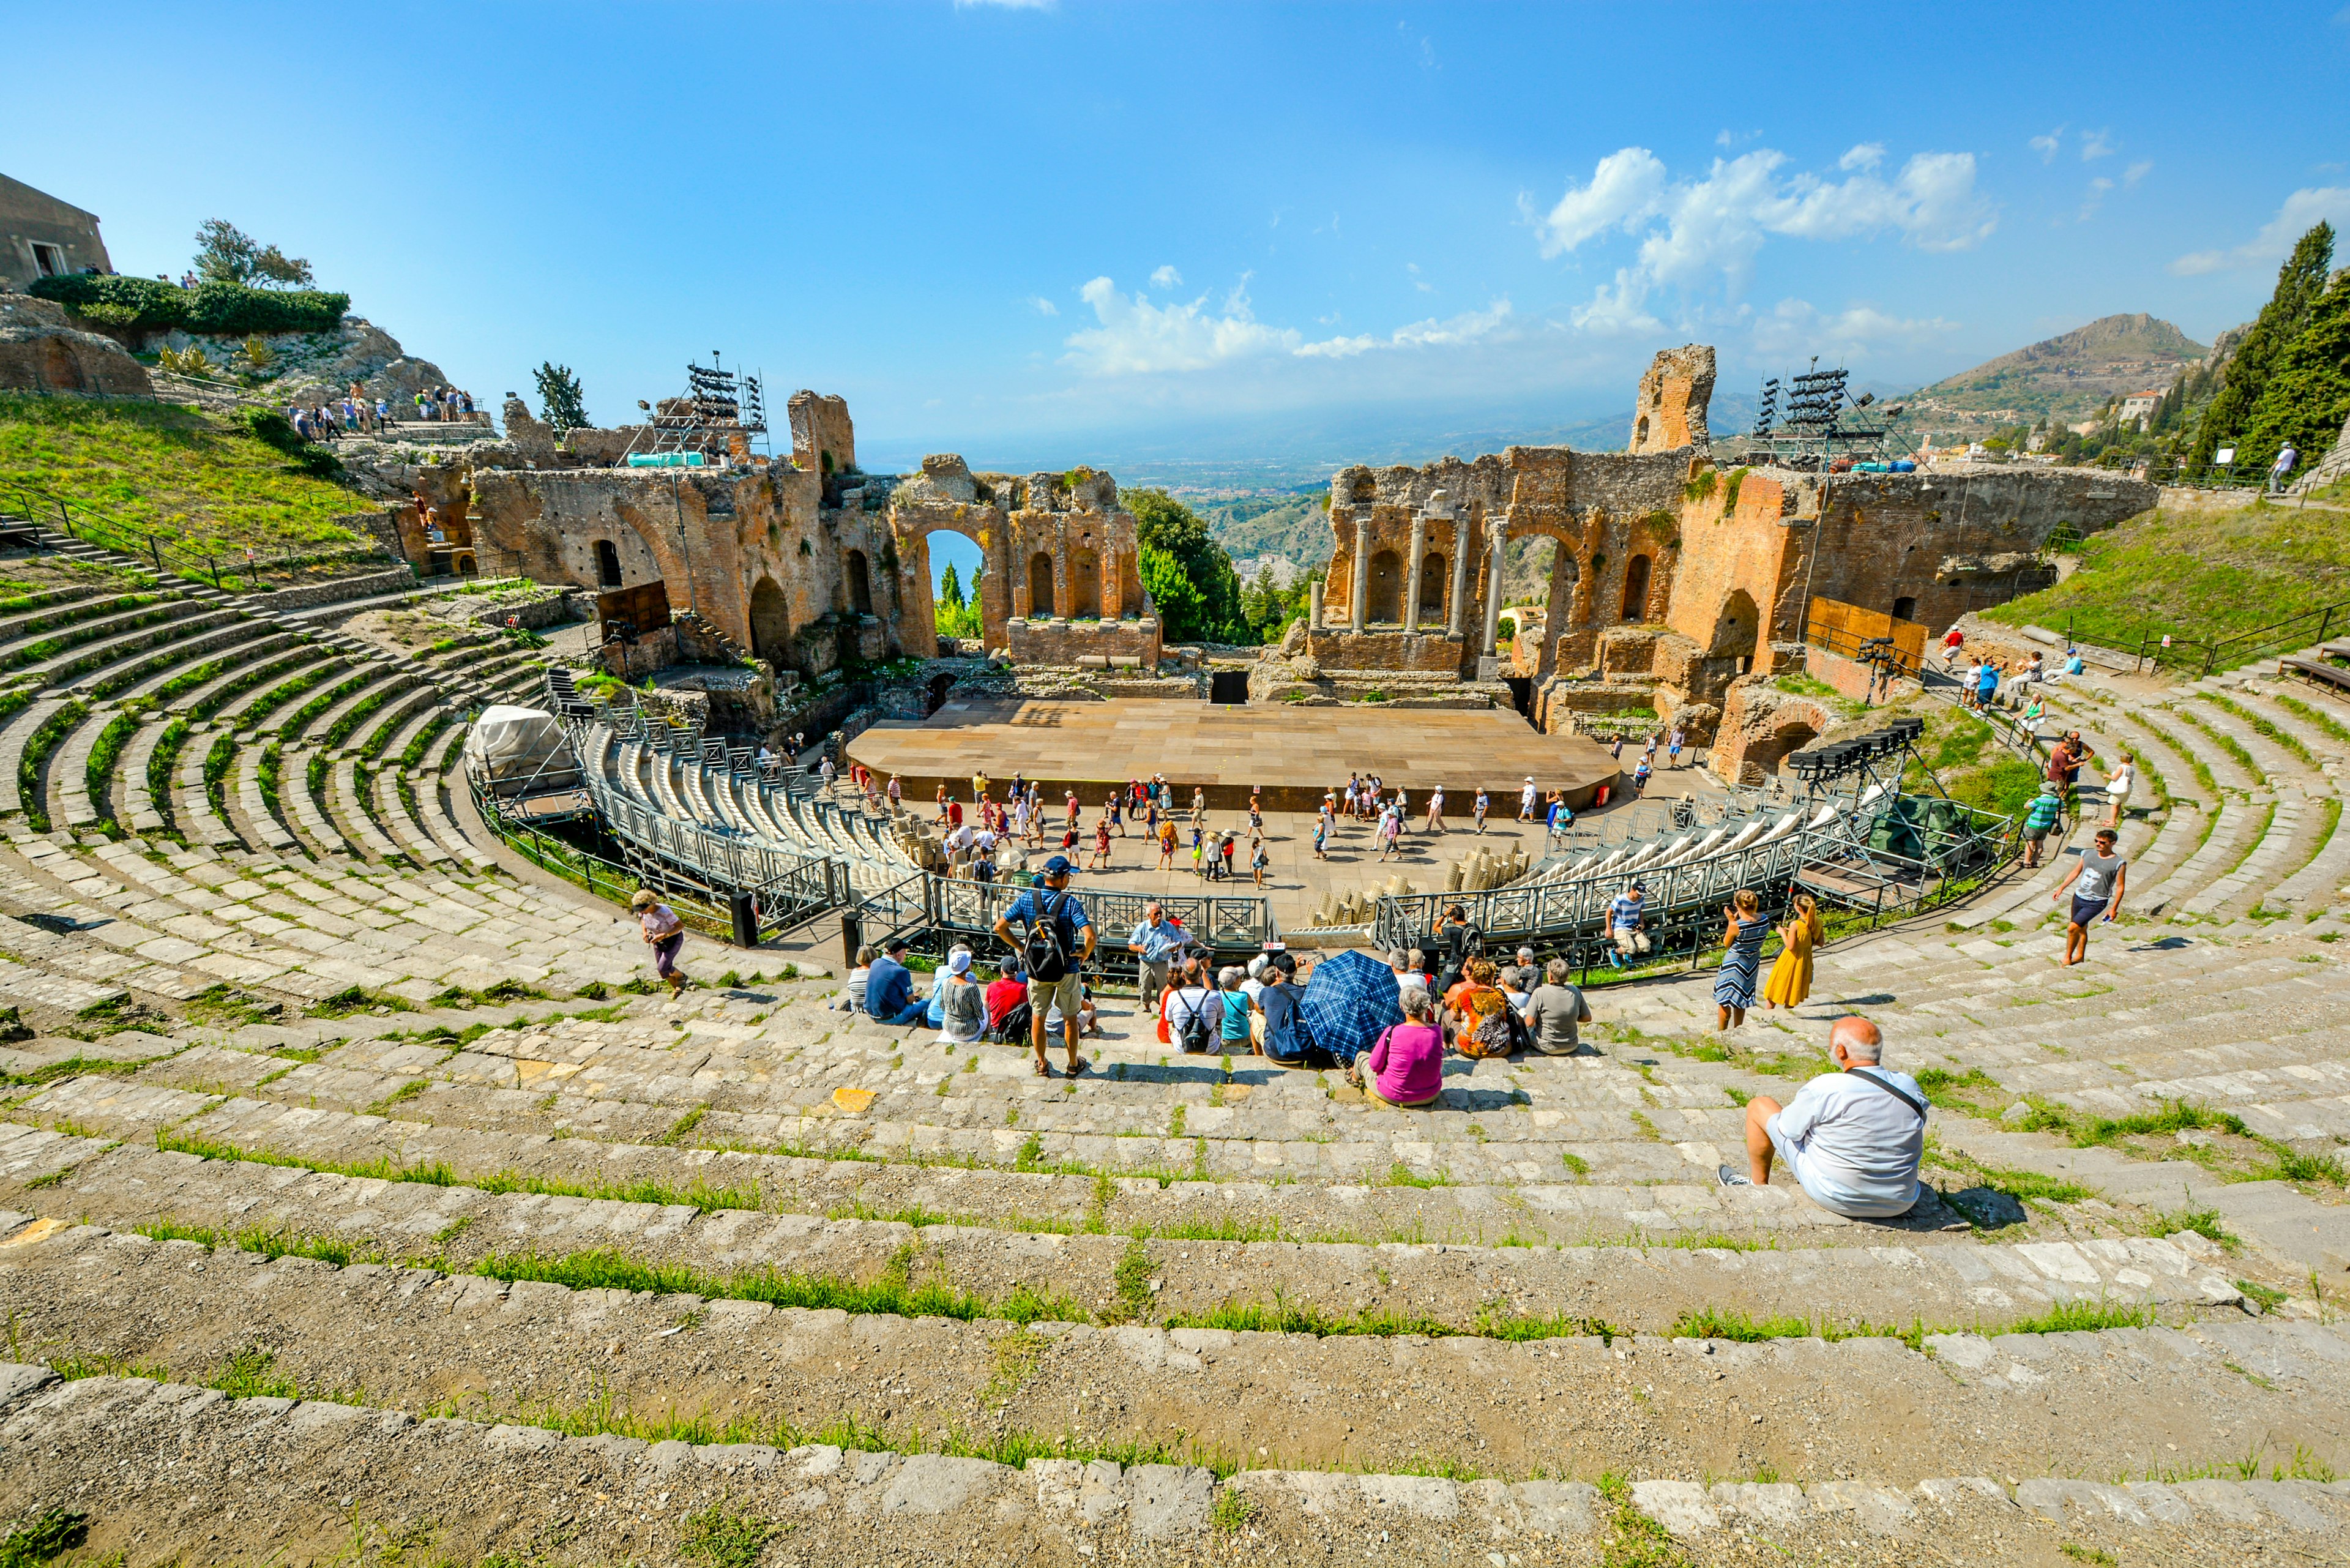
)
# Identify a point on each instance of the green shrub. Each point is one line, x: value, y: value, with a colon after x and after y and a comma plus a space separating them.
x: 223, y: 308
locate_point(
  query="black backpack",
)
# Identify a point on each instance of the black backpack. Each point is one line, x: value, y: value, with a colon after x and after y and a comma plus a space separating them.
x: 1195, y: 1034
x: 1046, y: 955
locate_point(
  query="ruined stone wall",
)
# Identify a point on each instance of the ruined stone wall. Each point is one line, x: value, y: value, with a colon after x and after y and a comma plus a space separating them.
x: 1736, y: 567
x: 1424, y: 652
x: 1091, y: 644
x: 1670, y: 411
x: 1953, y: 540
x: 823, y: 438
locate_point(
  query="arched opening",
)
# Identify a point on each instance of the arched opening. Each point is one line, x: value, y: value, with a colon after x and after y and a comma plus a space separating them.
x: 1736, y: 631
x: 1431, y: 586
x: 1635, y: 588
x: 608, y: 565
x: 860, y: 582
x: 1040, y: 586
x: 1386, y: 602
x: 939, y: 688
x: 1085, y: 584
x: 957, y: 589
x: 1904, y: 608
x: 771, y: 623
x: 1771, y: 750
x: 1641, y: 432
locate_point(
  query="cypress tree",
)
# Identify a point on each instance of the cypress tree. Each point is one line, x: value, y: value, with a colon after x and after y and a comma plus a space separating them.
x: 2307, y: 396
x: 2299, y: 283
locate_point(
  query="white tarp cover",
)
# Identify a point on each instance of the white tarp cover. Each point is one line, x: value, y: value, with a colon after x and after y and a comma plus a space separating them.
x: 513, y: 745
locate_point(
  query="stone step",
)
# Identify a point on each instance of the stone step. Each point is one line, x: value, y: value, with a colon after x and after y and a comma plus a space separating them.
x: 1443, y: 1287
x: 475, y: 1487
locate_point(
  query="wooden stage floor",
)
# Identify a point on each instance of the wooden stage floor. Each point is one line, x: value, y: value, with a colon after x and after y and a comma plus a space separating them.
x: 1291, y: 753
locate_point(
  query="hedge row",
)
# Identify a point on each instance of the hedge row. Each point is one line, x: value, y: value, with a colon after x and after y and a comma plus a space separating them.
x: 211, y: 307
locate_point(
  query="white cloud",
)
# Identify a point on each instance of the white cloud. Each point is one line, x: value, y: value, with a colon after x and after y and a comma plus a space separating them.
x: 1795, y: 327
x: 1623, y: 189
x: 2096, y: 144
x: 1136, y: 337
x: 1618, y: 312
x: 2046, y: 146
x: 1042, y: 305
x: 1713, y: 226
x: 1166, y: 277
x: 1450, y: 333
x: 2094, y: 198
x: 2136, y: 172
x: 1419, y: 282
x: 2302, y: 210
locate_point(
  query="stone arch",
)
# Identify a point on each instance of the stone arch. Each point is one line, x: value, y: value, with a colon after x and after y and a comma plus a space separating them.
x: 1040, y: 585
x: 1085, y: 583
x: 1790, y: 732
x: 857, y: 573
x: 1433, y: 568
x: 771, y: 623
x: 608, y: 565
x: 1737, y: 629
x: 1640, y: 434
x: 1385, y: 603
x: 1635, y: 588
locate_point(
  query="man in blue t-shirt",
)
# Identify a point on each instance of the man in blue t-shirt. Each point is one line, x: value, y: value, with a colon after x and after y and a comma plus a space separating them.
x: 889, y: 988
x: 1058, y: 937
x: 1628, y: 912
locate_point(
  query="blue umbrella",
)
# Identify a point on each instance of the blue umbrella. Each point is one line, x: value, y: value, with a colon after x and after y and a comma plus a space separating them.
x: 1349, y: 998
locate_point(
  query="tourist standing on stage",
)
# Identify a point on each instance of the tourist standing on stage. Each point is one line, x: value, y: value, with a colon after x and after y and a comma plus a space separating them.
x: 1483, y: 802
x: 1435, y: 809
x: 1167, y: 844
x: 1526, y: 801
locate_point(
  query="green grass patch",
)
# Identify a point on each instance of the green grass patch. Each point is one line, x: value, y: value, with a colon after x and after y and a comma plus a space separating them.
x: 37, y: 747
x: 2197, y: 576
x: 198, y: 481
x: 2309, y: 715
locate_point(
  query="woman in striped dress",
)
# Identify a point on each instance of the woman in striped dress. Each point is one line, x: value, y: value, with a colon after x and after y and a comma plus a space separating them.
x: 1741, y: 958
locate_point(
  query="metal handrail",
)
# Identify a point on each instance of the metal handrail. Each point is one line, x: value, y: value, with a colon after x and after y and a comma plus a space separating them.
x: 95, y: 527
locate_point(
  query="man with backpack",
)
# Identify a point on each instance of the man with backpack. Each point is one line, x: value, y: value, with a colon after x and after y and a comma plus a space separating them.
x: 1193, y: 1013
x: 1050, y: 951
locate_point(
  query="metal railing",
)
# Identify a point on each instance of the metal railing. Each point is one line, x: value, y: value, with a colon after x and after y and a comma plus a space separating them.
x: 1903, y: 854
x: 79, y: 520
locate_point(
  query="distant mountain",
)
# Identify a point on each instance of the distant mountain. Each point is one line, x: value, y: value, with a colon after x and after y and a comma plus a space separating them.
x: 2065, y: 379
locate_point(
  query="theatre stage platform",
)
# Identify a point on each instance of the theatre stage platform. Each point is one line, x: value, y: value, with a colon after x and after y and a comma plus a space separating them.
x: 1293, y: 754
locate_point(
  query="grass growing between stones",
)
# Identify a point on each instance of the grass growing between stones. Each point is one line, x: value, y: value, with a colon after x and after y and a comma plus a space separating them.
x: 2227, y: 1147
x: 48, y: 1534
x: 2324, y: 722
x: 2262, y: 727
x: 709, y: 1199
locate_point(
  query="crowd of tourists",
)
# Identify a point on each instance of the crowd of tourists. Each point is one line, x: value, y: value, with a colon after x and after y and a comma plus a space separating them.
x: 356, y: 413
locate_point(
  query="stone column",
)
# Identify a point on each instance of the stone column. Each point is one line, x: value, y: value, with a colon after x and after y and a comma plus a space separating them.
x: 1362, y: 572
x: 1314, y: 605
x: 1453, y: 625
x: 1411, y: 583
x: 1493, y: 593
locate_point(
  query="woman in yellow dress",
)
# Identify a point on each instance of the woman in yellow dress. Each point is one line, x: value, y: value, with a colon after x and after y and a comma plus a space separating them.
x: 1791, y: 972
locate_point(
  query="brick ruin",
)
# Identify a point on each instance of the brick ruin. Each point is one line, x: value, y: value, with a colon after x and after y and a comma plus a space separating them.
x: 808, y: 563
x: 1678, y: 583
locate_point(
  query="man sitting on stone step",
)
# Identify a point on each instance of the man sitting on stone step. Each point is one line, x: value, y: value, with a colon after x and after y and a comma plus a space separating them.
x: 1853, y: 1137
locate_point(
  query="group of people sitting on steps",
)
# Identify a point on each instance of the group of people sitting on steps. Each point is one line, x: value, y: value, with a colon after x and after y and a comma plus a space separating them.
x: 1851, y: 1138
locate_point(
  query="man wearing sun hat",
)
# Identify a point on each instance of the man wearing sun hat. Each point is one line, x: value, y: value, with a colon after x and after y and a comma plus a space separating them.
x: 1526, y: 800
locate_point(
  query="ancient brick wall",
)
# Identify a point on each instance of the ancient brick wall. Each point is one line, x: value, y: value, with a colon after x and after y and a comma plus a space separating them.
x: 1426, y: 652
x: 1670, y: 411
x: 823, y: 438
x: 1063, y: 643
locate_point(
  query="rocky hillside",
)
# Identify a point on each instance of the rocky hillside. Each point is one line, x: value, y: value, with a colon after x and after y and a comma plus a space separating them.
x: 2065, y: 379
x: 312, y: 366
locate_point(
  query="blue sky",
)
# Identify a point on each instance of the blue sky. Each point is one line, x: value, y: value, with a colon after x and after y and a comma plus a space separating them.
x: 1054, y: 233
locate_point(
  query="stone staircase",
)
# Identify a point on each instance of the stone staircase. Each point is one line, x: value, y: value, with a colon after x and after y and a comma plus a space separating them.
x: 389, y: 1220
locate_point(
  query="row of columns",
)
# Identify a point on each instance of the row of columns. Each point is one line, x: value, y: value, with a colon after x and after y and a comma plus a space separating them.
x: 1358, y: 609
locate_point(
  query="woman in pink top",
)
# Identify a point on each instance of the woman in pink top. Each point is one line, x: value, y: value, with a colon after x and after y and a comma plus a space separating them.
x: 664, y: 933
x: 1405, y: 1066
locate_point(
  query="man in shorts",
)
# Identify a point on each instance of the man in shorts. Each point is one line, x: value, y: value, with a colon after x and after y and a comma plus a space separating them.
x: 1852, y: 1139
x: 2095, y: 880
x: 1075, y: 931
x: 2039, y: 819
x: 1628, y: 912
